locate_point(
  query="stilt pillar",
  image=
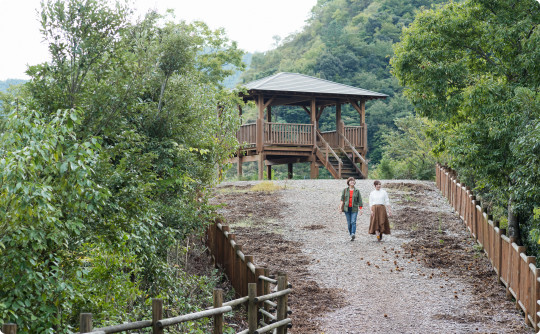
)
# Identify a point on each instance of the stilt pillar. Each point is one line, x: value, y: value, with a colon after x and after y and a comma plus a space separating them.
x: 239, y: 165
x: 260, y: 163
x: 289, y: 171
x: 269, y: 172
x: 314, y: 172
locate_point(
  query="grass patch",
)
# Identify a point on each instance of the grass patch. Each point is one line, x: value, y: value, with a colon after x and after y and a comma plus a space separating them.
x: 247, y: 222
x: 266, y: 186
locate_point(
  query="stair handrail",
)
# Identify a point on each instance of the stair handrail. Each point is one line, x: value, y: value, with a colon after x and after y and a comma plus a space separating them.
x: 355, y: 166
x: 329, y: 149
x: 355, y: 152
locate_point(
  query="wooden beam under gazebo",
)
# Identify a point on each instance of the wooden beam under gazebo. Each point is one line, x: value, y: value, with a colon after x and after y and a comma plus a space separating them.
x: 342, y: 152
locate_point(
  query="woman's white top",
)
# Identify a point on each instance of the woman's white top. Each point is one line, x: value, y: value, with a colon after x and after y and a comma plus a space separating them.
x: 379, y: 197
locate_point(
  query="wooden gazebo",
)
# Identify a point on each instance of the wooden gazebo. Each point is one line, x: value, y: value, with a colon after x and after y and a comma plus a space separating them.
x: 342, y: 152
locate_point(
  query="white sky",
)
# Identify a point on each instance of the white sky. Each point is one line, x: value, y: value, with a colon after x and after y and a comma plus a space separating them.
x: 252, y: 23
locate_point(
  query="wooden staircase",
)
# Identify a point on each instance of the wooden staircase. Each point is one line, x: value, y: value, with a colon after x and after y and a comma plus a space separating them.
x: 348, y: 169
x: 338, y: 164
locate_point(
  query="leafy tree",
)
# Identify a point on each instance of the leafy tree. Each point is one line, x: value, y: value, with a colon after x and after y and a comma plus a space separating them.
x: 47, y: 195
x: 157, y: 137
x: 407, y: 151
x: 468, y: 65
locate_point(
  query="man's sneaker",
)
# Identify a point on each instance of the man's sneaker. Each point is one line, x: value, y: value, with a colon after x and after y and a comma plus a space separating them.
x: 352, y: 237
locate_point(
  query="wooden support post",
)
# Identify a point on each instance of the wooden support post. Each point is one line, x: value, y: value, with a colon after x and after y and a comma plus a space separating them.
x: 85, y: 322
x: 157, y: 315
x: 339, y: 125
x: 289, y: 171
x: 260, y: 163
x: 252, y: 308
x: 260, y: 123
x: 218, y: 318
x: 9, y: 328
x: 314, y: 169
x: 239, y: 164
x: 282, y: 303
x: 313, y: 114
x: 269, y: 172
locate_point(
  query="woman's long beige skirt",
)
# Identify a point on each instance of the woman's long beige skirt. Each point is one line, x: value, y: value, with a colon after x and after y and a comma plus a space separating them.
x: 379, y: 220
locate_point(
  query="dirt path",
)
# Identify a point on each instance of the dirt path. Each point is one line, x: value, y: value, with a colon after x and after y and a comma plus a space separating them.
x: 426, y: 277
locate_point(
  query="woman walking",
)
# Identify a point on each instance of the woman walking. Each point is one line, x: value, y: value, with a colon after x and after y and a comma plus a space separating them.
x: 379, y: 203
x: 351, y: 196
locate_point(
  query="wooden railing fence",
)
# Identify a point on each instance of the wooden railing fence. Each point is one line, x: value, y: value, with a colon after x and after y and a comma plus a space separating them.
x: 244, y: 275
x: 288, y: 134
x: 355, y: 134
x: 515, y: 270
x: 266, y: 310
x: 247, y: 134
x: 298, y: 134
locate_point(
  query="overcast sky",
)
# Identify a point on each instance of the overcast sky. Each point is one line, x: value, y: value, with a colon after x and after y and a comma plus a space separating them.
x: 252, y: 23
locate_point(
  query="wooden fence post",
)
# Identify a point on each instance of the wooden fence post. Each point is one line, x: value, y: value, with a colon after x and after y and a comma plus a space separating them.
x: 282, y: 303
x: 499, y: 249
x: 230, y: 254
x: 157, y: 315
x: 509, y: 266
x: 252, y: 308
x: 266, y: 291
x: 222, y: 246
x: 9, y: 328
x: 536, y: 296
x: 218, y: 318
x: 86, y: 322
x: 248, y: 275
x: 238, y: 280
x: 529, y: 314
x: 259, y: 271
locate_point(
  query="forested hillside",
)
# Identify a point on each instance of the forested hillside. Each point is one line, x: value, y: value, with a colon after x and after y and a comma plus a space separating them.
x: 349, y: 41
x: 4, y: 85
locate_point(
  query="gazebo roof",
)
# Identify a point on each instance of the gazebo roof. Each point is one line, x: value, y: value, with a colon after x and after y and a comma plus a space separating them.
x: 294, y: 84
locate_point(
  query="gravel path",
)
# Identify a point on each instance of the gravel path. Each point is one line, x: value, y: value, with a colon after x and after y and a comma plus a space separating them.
x: 384, y: 290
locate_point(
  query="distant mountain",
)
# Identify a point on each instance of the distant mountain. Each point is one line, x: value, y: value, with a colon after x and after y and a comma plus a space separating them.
x: 4, y: 85
x: 233, y: 80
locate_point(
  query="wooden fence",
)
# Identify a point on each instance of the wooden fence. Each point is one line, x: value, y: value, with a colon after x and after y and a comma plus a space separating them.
x: 514, y: 268
x: 243, y: 273
x: 266, y: 311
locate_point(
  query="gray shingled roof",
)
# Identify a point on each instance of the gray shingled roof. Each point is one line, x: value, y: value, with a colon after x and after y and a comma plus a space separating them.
x: 300, y: 83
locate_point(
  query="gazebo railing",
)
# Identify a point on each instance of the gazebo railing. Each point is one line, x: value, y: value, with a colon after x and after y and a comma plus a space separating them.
x: 297, y: 134
x: 354, y: 135
x: 247, y: 134
x: 288, y: 134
